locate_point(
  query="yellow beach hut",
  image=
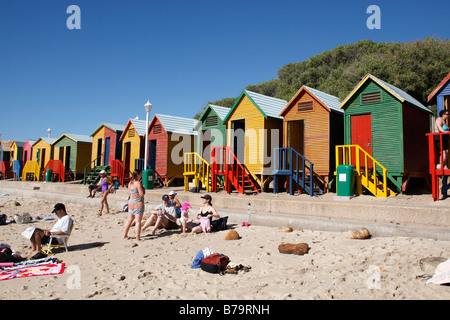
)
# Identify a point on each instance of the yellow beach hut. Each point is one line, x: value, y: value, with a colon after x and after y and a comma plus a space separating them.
x: 42, y: 151
x: 133, y: 144
x: 254, y: 129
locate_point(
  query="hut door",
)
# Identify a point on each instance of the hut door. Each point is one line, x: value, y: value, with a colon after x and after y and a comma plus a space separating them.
x: 67, y: 160
x: 295, y: 136
x: 152, y: 154
x: 127, y: 159
x: 99, y: 151
x: 206, y: 145
x: 238, y: 139
x: 107, y: 145
x: 361, y: 126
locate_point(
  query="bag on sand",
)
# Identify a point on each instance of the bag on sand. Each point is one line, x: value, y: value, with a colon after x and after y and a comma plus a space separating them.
x: 214, y: 263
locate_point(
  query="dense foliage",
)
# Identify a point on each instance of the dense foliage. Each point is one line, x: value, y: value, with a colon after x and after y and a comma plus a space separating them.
x: 416, y: 67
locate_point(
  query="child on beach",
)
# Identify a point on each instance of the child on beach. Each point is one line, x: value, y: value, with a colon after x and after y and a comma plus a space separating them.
x: 184, y: 215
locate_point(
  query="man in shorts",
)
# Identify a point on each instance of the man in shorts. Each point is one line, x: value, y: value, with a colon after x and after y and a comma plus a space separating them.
x: 164, y: 215
x: 42, y: 236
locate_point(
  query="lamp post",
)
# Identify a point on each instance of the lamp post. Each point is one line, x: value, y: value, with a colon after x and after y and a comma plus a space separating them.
x: 148, y: 107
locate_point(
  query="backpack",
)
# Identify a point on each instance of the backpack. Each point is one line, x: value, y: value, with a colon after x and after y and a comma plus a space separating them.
x: 219, y: 224
x: 3, y: 218
x: 214, y: 263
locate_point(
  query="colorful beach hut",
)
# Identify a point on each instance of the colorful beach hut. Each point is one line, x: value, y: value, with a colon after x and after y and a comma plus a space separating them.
x: 254, y: 129
x: 42, y: 151
x: 17, y: 150
x: 27, y: 150
x: 211, y: 132
x: 74, y: 151
x: 169, y: 138
x: 106, y: 145
x: 5, y: 157
x: 313, y: 125
x: 133, y: 144
x: 388, y: 128
x: 441, y: 95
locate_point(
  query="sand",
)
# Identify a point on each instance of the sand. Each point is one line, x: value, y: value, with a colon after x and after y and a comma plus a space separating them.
x: 100, y: 264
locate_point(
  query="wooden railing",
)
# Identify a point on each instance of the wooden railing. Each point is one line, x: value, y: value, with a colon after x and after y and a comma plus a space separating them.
x: 224, y: 161
x: 195, y: 166
x: 367, y: 169
x: 118, y: 171
x: 287, y: 161
x: 436, y: 157
x: 31, y: 167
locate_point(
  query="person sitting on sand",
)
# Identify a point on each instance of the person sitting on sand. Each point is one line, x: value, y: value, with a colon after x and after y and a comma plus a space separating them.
x: 205, y: 215
x: 42, y: 236
x: 93, y: 189
x: 175, y: 202
x: 163, y: 215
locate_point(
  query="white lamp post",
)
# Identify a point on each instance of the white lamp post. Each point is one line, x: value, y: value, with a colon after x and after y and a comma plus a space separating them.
x: 49, y: 131
x: 148, y: 107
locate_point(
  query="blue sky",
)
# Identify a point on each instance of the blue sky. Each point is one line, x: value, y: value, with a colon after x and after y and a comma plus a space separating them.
x: 177, y: 54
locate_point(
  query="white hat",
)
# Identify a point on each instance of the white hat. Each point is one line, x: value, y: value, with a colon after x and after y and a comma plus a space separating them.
x: 172, y: 193
x: 103, y: 172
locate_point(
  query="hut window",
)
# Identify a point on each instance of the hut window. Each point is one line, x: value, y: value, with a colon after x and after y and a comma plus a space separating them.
x: 371, y: 97
x: 131, y: 133
x: 157, y: 129
x: 305, y: 106
x: 211, y: 121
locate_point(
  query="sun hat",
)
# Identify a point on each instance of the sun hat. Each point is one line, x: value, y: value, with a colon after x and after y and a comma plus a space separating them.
x: 172, y: 193
x: 185, y: 205
x: 103, y: 172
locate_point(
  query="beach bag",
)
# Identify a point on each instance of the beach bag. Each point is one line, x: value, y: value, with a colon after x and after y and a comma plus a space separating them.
x: 3, y: 218
x: 219, y: 224
x: 214, y: 263
x: 22, y: 218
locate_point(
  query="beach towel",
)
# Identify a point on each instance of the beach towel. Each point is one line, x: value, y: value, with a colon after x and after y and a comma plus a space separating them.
x: 39, y: 267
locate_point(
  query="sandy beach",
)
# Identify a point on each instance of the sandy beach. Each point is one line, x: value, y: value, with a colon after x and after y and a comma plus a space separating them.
x: 100, y: 264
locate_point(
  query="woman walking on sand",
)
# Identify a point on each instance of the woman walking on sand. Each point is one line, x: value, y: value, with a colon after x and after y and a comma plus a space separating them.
x: 136, y: 204
x: 105, y: 184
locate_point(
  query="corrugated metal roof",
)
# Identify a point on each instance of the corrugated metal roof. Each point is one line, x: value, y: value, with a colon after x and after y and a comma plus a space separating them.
x: 112, y: 126
x: 402, y: 94
x: 6, y: 145
x: 19, y: 144
x: 396, y: 92
x: 178, y: 125
x: 330, y: 101
x: 272, y: 107
x: 46, y: 139
x: 79, y: 137
x: 221, y: 111
x: 140, y: 126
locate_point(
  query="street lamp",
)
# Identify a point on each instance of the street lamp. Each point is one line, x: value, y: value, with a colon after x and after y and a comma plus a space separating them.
x: 148, y: 108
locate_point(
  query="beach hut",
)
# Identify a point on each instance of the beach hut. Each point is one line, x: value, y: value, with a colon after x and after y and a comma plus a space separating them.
x: 389, y: 127
x: 254, y: 129
x: 5, y: 150
x: 133, y: 144
x: 169, y: 138
x: 27, y: 150
x: 211, y: 132
x: 313, y: 125
x: 5, y: 157
x: 17, y: 150
x: 441, y: 95
x: 74, y: 151
x: 106, y: 145
x: 42, y: 151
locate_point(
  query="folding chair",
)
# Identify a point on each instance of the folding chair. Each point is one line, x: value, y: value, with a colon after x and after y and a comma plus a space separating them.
x: 65, y: 239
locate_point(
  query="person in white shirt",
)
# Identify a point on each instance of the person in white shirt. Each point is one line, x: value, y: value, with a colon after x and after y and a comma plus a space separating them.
x: 40, y: 236
x: 164, y: 215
